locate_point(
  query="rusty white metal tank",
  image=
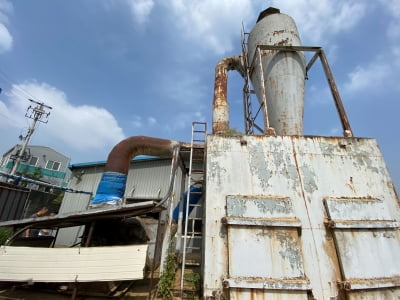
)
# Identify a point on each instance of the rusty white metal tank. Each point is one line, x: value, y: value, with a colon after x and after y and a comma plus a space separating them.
x: 281, y: 79
x: 294, y: 217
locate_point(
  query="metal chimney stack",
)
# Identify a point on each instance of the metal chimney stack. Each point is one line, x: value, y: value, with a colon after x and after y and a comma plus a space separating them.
x: 278, y: 76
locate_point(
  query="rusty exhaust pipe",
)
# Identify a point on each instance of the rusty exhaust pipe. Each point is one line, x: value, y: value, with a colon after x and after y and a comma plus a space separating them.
x: 111, y: 188
x: 220, y: 103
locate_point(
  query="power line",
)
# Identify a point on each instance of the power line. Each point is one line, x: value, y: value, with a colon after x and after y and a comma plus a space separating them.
x: 10, y: 82
x: 16, y: 90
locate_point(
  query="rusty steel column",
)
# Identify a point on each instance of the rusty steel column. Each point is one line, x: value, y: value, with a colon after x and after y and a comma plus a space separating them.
x: 347, y: 132
x: 220, y: 102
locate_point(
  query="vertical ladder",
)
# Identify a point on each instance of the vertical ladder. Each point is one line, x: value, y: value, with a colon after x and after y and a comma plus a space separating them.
x: 196, y: 176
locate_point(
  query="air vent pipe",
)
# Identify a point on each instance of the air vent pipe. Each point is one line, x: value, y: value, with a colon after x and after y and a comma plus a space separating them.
x: 220, y: 102
x: 111, y: 188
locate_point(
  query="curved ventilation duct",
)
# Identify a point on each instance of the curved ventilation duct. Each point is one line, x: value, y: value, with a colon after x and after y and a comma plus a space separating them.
x: 111, y: 188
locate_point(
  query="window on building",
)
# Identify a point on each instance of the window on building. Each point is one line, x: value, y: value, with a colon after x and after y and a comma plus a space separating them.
x: 33, y: 161
x: 53, y: 165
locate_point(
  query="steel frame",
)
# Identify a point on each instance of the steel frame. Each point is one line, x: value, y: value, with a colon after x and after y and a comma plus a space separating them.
x: 250, y: 124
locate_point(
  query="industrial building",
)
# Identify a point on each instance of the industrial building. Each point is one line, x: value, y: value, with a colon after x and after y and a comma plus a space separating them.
x: 148, y: 180
x: 47, y: 164
x: 267, y: 214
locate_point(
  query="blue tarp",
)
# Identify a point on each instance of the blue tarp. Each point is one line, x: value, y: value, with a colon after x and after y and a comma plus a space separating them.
x: 111, y: 189
x: 194, y: 197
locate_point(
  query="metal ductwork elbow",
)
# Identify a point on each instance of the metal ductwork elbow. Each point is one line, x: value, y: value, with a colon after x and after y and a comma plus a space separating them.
x: 220, y: 102
x: 111, y: 188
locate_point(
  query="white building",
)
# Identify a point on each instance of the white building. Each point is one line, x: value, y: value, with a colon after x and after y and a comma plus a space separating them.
x: 45, y: 163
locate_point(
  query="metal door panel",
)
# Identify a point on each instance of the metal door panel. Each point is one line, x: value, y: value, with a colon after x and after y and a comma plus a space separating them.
x: 368, y: 253
x: 367, y: 242
x: 264, y: 252
x: 375, y: 294
x: 259, y: 294
x: 357, y: 209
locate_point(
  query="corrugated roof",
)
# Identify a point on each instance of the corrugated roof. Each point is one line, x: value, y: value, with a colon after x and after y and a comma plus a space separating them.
x: 103, y: 162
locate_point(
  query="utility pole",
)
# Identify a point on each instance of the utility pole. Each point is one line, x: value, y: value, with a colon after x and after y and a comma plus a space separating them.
x: 38, y: 114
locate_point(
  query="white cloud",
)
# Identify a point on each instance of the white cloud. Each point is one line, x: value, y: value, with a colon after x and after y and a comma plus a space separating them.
x: 215, y: 24
x: 140, y: 9
x: 84, y: 128
x: 396, y: 55
x: 182, y: 120
x: 318, y: 21
x: 6, y: 8
x: 316, y: 94
x: 392, y: 7
x: 209, y: 23
x: 138, y: 122
x: 6, y: 39
x: 151, y: 121
x: 381, y: 73
x: 393, y: 30
x: 371, y: 77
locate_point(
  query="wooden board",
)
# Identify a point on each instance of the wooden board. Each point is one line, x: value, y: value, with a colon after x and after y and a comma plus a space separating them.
x: 72, y: 264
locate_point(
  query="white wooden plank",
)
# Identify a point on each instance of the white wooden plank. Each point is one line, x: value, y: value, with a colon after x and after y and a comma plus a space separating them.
x: 72, y: 264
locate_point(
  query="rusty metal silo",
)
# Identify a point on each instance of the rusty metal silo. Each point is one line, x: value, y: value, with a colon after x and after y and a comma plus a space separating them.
x: 278, y: 76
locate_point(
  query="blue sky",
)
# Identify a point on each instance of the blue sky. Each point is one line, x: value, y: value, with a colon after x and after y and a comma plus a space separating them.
x: 114, y: 69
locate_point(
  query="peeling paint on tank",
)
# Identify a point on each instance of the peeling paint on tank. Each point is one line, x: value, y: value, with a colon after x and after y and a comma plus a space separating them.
x: 365, y: 160
x: 282, y: 206
x: 389, y: 235
x: 309, y: 179
x: 278, y: 158
x: 236, y: 207
x: 327, y: 148
x: 264, y: 233
x: 216, y: 172
x: 259, y: 207
x: 258, y: 165
x: 291, y: 173
x: 290, y: 251
x: 219, y: 149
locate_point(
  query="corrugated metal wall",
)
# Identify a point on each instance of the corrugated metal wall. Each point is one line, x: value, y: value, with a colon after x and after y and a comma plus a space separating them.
x: 147, y: 179
x: 12, y: 201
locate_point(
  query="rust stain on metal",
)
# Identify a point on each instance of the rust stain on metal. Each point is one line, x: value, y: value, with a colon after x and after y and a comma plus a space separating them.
x: 335, y: 94
x: 348, y: 284
x: 330, y: 250
x: 220, y: 103
x: 278, y: 32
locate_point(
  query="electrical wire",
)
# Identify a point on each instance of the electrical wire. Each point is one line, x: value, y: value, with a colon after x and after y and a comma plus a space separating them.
x: 15, y: 90
x: 14, y: 87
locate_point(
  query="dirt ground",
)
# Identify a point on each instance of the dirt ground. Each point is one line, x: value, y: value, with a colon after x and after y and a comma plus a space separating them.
x: 26, y: 292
